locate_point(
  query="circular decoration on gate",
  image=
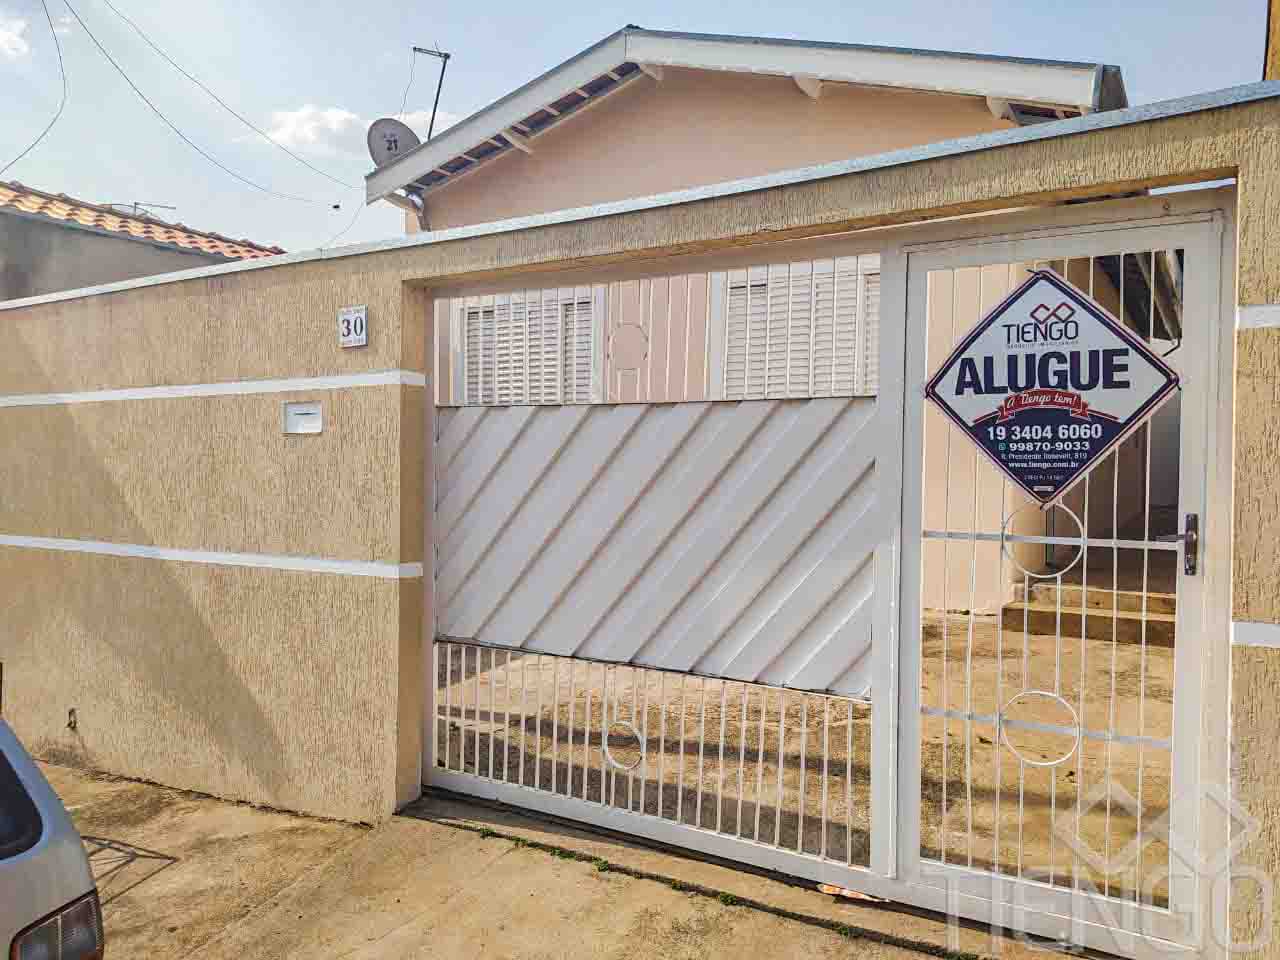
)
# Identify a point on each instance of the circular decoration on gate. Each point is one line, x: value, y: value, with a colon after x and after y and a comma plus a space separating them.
x: 1040, y: 727
x: 628, y: 347
x: 628, y: 730
x: 1009, y: 529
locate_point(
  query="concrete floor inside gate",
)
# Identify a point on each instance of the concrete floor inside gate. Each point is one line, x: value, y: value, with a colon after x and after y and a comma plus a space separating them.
x: 184, y: 875
x: 793, y: 769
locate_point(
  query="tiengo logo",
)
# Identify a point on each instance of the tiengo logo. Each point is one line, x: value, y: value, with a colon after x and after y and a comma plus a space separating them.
x: 1045, y: 326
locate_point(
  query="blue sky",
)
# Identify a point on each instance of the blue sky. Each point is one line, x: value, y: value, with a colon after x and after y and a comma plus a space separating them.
x: 317, y: 72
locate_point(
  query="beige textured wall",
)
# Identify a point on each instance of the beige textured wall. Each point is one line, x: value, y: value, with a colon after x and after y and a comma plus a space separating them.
x: 295, y: 690
x: 270, y: 686
x: 252, y: 325
x: 1257, y: 544
x: 218, y: 474
x: 1255, y: 762
x: 698, y: 127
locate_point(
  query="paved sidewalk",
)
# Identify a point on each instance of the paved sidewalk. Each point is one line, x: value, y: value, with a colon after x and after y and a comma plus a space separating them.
x: 186, y: 875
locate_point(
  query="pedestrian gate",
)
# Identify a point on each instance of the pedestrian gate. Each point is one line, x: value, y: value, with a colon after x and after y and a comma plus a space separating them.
x: 823, y: 635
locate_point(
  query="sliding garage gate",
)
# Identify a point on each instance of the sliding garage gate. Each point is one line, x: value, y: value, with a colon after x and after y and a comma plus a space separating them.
x: 709, y: 573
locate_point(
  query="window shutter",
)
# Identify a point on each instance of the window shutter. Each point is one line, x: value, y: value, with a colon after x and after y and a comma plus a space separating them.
x: 545, y: 340
x: 870, y: 326
x: 480, y: 342
x: 578, y: 325
x: 800, y: 329
x: 746, y: 334
x: 847, y: 295
x: 824, y: 318
x: 801, y: 335
x: 777, y: 329
x: 510, y: 359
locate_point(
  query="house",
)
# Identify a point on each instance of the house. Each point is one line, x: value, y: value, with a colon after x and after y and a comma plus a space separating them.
x: 51, y: 242
x: 636, y: 513
x: 647, y: 112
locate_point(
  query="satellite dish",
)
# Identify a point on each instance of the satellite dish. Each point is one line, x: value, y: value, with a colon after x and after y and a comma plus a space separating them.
x: 389, y: 139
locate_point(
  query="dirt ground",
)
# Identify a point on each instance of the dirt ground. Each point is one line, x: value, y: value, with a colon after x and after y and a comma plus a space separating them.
x: 183, y: 875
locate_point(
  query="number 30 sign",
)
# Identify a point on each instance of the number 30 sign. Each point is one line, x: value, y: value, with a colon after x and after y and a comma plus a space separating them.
x: 353, y: 326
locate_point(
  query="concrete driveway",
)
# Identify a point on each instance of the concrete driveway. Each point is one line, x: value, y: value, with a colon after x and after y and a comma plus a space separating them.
x: 185, y: 875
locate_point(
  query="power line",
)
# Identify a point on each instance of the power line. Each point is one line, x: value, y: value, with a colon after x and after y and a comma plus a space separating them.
x: 169, y: 123
x: 345, y: 230
x: 413, y: 59
x: 62, y: 69
x: 222, y: 103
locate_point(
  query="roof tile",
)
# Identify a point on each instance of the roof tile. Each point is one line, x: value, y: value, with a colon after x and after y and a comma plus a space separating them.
x: 59, y: 206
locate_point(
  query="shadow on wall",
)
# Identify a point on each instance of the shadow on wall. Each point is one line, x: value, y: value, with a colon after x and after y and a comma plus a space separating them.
x: 130, y: 645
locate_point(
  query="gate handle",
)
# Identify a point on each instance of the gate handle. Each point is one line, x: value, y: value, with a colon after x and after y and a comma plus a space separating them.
x: 1190, y: 543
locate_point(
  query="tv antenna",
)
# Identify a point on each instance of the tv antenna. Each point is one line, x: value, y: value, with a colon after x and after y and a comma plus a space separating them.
x: 444, y: 62
x: 142, y: 206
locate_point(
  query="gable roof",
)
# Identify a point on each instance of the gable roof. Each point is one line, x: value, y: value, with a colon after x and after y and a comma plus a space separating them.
x: 67, y: 211
x: 1021, y: 89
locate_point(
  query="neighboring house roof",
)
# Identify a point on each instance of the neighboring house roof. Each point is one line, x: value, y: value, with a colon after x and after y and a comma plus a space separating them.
x: 67, y: 211
x: 1020, y: 89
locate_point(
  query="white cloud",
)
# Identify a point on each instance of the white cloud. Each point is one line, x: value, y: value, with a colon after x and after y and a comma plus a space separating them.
x: 418, y: 120
x: 326, y: 131
x: 319, y: 130
x: 63, y: 24
x: 12, y: 42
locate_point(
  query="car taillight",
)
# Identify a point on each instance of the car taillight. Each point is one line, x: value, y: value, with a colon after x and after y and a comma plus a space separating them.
x: 73, y: 933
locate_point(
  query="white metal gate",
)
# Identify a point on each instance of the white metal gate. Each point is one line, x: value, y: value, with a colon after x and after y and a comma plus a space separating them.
x: 773, y: 632
x: 1054, y: 662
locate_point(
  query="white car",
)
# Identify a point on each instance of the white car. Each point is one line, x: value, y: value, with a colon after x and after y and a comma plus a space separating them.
x: 49, y: 906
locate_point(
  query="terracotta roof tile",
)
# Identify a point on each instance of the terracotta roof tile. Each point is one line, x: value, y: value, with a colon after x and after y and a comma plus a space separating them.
x: 16, y: 196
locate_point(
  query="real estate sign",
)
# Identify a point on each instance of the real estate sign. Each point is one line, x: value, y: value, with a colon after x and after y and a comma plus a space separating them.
x: 1048, y: 382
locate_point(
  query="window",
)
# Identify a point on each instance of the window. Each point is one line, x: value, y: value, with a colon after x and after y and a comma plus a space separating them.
x: 20, y: 823
x: 807, y: 329
x: 532, y: 347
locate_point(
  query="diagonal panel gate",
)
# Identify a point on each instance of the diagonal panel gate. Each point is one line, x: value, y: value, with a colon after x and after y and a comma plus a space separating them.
x: 823, y: 635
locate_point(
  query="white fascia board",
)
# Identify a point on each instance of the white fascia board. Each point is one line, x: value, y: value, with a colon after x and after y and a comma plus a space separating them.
x: 494, y: 120
x: 1059, y: 84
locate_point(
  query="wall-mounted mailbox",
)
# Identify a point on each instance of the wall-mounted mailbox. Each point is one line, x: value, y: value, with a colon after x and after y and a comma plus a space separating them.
x: 303, y: 417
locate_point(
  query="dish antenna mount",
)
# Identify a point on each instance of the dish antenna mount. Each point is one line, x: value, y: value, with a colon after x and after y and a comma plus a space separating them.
x: 444, y: 62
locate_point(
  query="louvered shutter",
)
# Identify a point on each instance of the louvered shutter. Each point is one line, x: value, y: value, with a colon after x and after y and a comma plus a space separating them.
x: 510, y: 360
x: 846, y: 295
x: 746, y: 334
x: 579, y: 324
x: 480, y: 342
x: 776, y: 330
x: 801, y: 333
x: 823, y: 340
x: 870, y: 322
x: 545, y: 344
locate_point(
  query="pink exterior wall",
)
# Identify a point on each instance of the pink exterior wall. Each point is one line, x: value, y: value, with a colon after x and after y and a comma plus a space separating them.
x: 698, y: 127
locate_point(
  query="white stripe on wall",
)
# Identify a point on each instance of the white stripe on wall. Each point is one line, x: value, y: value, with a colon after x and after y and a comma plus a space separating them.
x: 349, y: 568
x: 1246, y: 634
x: 379, y: 378
x: 1252, y: 317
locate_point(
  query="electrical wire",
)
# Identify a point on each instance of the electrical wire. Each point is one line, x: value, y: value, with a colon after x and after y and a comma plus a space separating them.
x: 345, y: 230
x: 62, y: 68
x: 169, y: 123
x: 222, y: 103
x: 413, y: 59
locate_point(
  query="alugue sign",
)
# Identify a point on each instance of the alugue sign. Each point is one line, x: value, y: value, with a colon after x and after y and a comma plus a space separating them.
x: 1048, y: 382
